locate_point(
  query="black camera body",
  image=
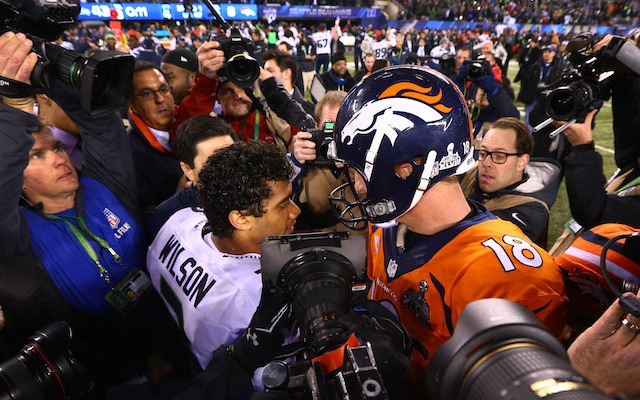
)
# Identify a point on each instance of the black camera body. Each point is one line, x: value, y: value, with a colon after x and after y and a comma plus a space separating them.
x: 583, y: 87
x: 281, y: 257
x: 319, y: 272
x: 322, y: 137
x: 478, y: 67
x: 241, y: 68
x: 104, y: 80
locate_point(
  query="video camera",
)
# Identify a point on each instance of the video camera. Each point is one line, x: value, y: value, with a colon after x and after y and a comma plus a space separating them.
x: 322, y: 137
x: 584, y: 86
x: 587, y: 83
x: 45, y: 369
x: 320, y: 272
x: 447, y: 62
x: 241, y: 68
x: 104, y: 80
x: 478, y: 67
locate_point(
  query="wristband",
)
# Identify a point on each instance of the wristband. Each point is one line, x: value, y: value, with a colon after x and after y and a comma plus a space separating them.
x: 585, y: 146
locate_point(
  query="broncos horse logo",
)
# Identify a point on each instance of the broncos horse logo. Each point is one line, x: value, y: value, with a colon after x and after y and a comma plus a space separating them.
x: 384, y: 115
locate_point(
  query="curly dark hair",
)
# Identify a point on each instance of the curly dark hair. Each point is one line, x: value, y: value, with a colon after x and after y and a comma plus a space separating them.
x: 236, y: 178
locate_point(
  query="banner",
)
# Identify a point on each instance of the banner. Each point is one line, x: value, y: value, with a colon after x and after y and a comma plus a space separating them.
x: 159, y: 12
x: 464, y: 25
x: 315, y: 12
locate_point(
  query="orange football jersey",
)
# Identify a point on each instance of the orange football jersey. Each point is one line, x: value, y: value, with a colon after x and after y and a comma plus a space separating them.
x: 430, y: 283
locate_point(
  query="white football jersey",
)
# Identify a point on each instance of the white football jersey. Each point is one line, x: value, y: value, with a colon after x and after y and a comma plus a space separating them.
x: 323, y: 42
x: 211, y: 295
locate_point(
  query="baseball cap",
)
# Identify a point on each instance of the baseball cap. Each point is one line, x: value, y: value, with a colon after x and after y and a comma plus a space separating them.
x: 338, y: 57
x: 183, y: 58
x: 109, y: 35
x: 148, y: 44
x: 549, y: 47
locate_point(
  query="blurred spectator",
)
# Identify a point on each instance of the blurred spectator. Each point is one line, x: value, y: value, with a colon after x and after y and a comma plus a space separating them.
x: 180, y: 67
x: 306, y: 56
x: 148, y: 52
x: 367, y: 67
x: 284, y: 67
x: 338, y: 77
x: 322, y: 39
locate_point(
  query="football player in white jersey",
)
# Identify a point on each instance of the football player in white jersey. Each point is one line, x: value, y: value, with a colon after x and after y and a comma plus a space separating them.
x: 206, y: 265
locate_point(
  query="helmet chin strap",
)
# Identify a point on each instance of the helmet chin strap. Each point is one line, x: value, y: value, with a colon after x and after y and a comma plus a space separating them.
x: 425, y: 178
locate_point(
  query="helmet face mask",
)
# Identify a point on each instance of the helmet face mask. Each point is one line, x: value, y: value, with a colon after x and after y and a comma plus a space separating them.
x: 402, y: 129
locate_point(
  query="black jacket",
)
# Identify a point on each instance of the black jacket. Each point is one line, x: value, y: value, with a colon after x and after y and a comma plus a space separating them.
x: 541, y: 181
x: 157, y: 173
x: 332, y: 81
x: 589, y: 202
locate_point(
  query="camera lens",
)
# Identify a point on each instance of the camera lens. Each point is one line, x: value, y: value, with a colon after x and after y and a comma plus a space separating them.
x: 562, y: 104
x: 104, y: 80
x: 320, y: 284
x: 243, y: 69
x: 500, y: 350
x: 44, y: 369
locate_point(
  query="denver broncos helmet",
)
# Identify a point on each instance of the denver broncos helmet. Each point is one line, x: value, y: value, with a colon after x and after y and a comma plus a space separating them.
x: 401, y: 114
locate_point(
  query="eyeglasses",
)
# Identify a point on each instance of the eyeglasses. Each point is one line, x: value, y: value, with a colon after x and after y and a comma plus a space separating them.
x: 498, y: 157
x: 148, y: 95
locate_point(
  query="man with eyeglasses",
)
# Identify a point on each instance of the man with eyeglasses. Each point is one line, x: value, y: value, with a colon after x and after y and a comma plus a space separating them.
x: 152, y: 114
x: 508, y: 184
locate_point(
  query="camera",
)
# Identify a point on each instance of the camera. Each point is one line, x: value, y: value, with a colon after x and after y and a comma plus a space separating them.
x: 587, y: 82
x: 320, y: 272
x: 45, y: 369
x: 584, y: 86
x: 478, y: 67
x: 322, y: 137
x: 104, y: 80
x: 500, y: 350
x: 241, y: 68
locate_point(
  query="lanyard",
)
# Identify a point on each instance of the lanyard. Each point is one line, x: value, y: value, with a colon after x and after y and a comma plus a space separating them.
x: 628, y: 185
x: 256, y: 127
x: 79, y: 234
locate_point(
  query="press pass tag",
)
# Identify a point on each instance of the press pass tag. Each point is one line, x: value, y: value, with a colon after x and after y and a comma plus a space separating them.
x: 573, y: 226
x: 126, y: 295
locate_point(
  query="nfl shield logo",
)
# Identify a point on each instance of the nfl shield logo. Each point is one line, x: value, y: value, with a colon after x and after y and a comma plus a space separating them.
x: 112, y: 218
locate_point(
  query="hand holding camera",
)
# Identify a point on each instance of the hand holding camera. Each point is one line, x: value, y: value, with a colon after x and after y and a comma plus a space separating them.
x: 479, y: 71
x: 211, y: 59
x: 303, y: 147
x: 17, y: 61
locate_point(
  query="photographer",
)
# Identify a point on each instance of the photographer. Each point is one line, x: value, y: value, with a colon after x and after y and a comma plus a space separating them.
x: 275, y: 122
x: 607, y: 353
x: 80, y: 232
x: 589, y: 200
x: 487, y: 99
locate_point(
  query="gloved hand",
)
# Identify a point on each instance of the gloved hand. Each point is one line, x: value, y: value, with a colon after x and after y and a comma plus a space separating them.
x: 463, y: 72
x: 263, y: 338
x: 488, y: 83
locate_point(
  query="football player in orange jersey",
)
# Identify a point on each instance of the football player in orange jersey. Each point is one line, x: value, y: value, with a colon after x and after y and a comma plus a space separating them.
x: 403, y: 136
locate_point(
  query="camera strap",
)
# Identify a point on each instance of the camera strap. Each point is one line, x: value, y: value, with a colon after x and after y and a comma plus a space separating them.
x: 16, y: 89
